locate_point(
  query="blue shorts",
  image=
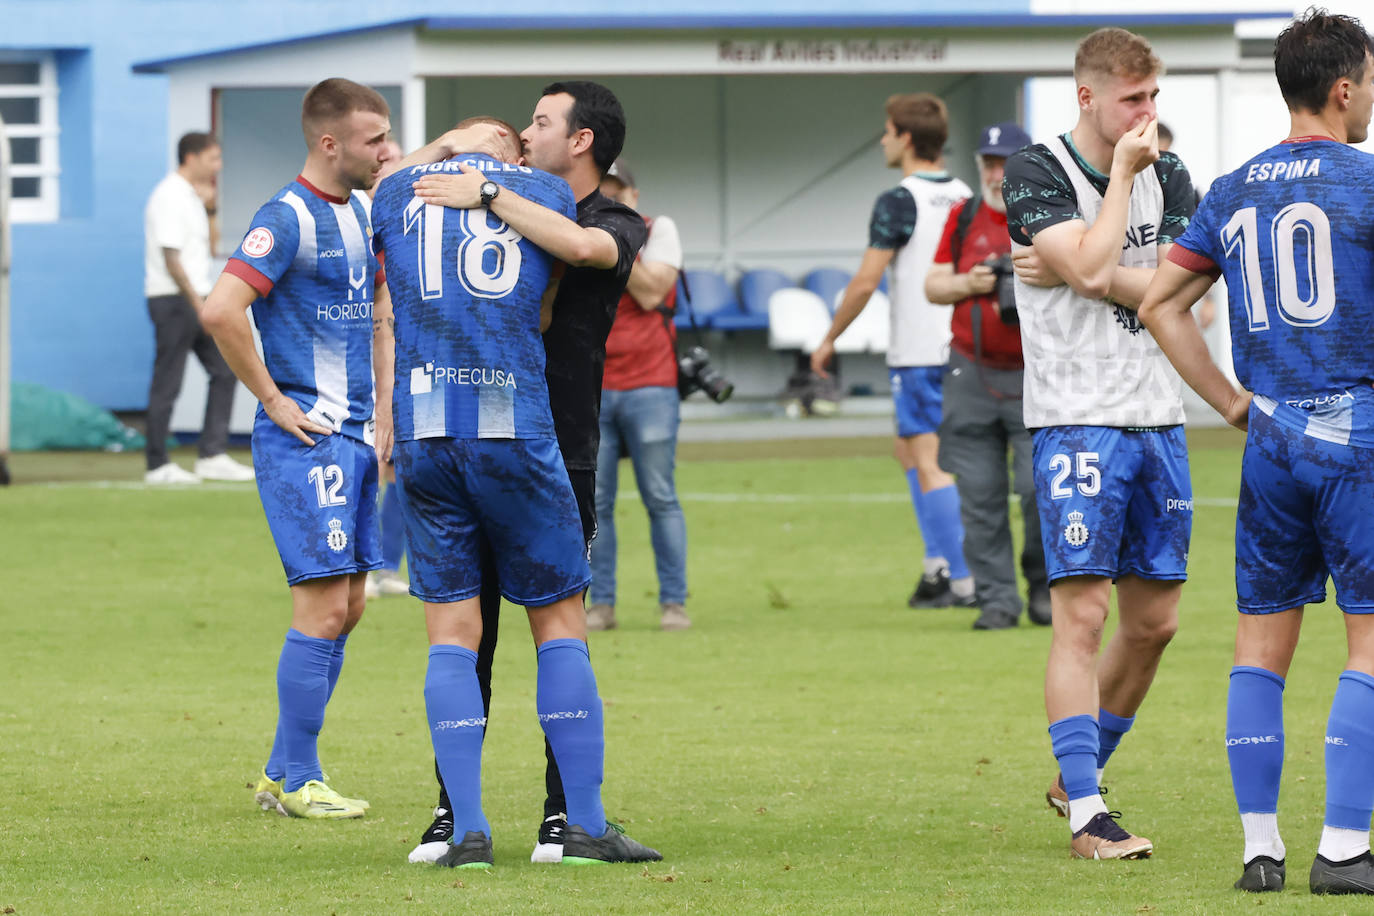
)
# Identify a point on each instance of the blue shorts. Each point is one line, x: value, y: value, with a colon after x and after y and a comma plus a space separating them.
x: 916, y: 395
x: 509, y: 496
x: 1113, y: 502
x: 1306, y: 510
x: 320, y: 501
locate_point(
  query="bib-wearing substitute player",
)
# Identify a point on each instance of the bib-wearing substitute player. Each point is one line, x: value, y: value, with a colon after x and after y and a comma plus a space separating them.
x: 1292, y: 231
x: 1090, y: 213
x: 477, y: 454
x: 307, y: 269
x: 904, y: 232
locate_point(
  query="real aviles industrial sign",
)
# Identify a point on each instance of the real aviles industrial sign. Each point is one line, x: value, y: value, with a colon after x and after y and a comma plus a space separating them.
x: 822, y: 53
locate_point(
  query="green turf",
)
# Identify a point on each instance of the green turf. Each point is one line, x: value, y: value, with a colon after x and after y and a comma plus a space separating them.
x: 809, y: 746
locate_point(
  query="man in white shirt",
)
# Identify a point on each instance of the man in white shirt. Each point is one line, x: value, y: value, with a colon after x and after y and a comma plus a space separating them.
x: 176, y: 228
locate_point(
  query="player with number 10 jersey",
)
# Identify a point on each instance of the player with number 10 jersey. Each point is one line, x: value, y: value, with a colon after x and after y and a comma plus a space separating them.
x: 1290, y: 232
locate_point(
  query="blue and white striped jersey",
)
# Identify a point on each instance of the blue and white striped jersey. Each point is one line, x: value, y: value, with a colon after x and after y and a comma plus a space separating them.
x: 466, y: 289
x: 309, y: 257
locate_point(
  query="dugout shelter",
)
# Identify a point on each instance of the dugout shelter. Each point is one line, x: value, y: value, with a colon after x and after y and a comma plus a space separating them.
x: 757, y: 133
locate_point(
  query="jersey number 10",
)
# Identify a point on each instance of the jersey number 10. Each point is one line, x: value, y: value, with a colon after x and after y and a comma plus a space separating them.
x: 478, y: 238
x: 1312, y: 264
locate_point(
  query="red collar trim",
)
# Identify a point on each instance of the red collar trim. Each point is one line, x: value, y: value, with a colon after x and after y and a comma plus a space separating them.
x: 320, y: 194
x: 1310, y: 139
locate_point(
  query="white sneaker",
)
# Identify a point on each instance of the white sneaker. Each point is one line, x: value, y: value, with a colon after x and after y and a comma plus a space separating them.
x: 370, y: 588
x: 222, y: 467
x: 393, y: 584
x: 169, y: 474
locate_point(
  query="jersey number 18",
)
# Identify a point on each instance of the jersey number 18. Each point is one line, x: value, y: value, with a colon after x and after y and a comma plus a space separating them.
x: 482, y: 277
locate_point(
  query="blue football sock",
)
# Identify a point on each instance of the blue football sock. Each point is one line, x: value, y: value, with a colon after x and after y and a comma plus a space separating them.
x: 453, y: 702
x: 393, y: 527
x: 302, y: 692
x: 1350, y: 753
x: 336, y: 662
x: 276, y: 761
x: 918, y: 503
x: 1110, y: 728
x: 1254, y: 738
x: 570, y: 712
x: 942, y: 506
x: 1075, y: 742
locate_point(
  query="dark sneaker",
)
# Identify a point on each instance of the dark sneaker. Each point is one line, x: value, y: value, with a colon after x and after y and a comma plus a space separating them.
x: 1353, y: 876
x: 1103, y: 838
x: 549, y: 847
x: 434, y: 841
x: 991, y: 619
x: 1262, y: 874
x: 473, y: 852
x: 612, y: 846
x: 1038, y: 608
x: 932, y: 591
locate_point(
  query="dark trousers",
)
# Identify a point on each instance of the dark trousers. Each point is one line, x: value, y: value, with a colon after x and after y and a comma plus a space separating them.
x: 178, y: 332
x: 584, y: 488
x: 982, y: 420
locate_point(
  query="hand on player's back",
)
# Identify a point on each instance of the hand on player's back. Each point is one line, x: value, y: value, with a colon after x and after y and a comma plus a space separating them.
x: 287, y: 414
x: 1138, y: 148
x: 461, y: 191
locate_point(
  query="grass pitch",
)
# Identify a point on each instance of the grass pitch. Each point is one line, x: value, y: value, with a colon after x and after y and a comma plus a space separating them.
x: 809, y: 746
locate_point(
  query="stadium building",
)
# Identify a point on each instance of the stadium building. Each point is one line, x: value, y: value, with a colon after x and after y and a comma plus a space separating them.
x: 753, y: 123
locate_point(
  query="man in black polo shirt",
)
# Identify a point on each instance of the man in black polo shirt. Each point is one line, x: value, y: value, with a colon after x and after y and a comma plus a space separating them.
x: 576, y: 133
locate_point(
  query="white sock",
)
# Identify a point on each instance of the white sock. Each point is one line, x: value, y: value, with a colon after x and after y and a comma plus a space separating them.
x: 1082, y: 810
x: 935, y: 565
x: 1339, y: 844
x: 962, y: 587
x: 1262, y: 837
x: 1100, y: 771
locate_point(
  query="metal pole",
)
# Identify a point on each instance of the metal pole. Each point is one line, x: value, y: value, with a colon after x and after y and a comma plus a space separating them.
x: 5, y: 364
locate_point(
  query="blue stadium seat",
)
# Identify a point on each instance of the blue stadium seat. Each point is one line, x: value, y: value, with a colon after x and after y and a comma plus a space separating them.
x: 755, y: 289
x: 710, y: 295
x: 828, y: 283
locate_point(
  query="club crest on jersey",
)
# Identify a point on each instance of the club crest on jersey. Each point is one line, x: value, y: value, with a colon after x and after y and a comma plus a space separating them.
x: 1075, y: 532
x: 1128, y: 319
x: 337, y: 538
x: 258, y: 242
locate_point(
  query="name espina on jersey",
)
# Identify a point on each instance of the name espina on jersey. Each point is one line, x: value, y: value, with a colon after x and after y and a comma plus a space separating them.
x: 1089, y: 362
x: 920, y: 331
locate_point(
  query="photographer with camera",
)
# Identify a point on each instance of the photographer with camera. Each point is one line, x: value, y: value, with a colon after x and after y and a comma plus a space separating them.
x: 982, y: 392
x: 639, y: 416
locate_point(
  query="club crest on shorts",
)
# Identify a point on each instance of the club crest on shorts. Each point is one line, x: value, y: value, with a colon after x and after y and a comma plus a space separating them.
x: 337, y: 538
x: 1075, y: 532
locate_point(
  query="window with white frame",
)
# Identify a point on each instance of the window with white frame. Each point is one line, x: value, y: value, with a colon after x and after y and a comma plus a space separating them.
x: 28, y: 106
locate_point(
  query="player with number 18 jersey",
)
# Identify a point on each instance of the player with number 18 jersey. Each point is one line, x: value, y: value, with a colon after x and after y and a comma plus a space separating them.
x: 475, y: 445
x: 308, y: 256
x: 1291, y: 234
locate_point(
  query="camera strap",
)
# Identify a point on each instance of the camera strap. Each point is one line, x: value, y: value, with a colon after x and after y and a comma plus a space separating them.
x: 684, y: 299
x: 956, y: 245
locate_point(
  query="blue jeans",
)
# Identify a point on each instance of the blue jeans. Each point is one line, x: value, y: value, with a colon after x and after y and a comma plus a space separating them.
x: 642, y: 421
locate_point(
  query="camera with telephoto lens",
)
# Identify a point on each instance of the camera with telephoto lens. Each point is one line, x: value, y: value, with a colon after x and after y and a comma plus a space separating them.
x: 1005, y: 289
x: 694, y: 371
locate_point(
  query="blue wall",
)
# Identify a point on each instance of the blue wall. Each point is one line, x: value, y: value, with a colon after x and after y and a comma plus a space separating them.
x: 79, y: 319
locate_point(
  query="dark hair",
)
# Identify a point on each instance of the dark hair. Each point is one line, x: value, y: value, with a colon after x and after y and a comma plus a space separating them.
x: 922, y: 117
x: 596, y: 108
x: 330, y: 100
x: 512, y: 140
x: 1316, y: 51
x: 193, y: 144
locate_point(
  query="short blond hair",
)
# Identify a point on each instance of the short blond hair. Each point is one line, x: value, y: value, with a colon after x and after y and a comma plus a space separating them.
x: 1115, y: 52
x: 512, y: 138
x: 924, y: 118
